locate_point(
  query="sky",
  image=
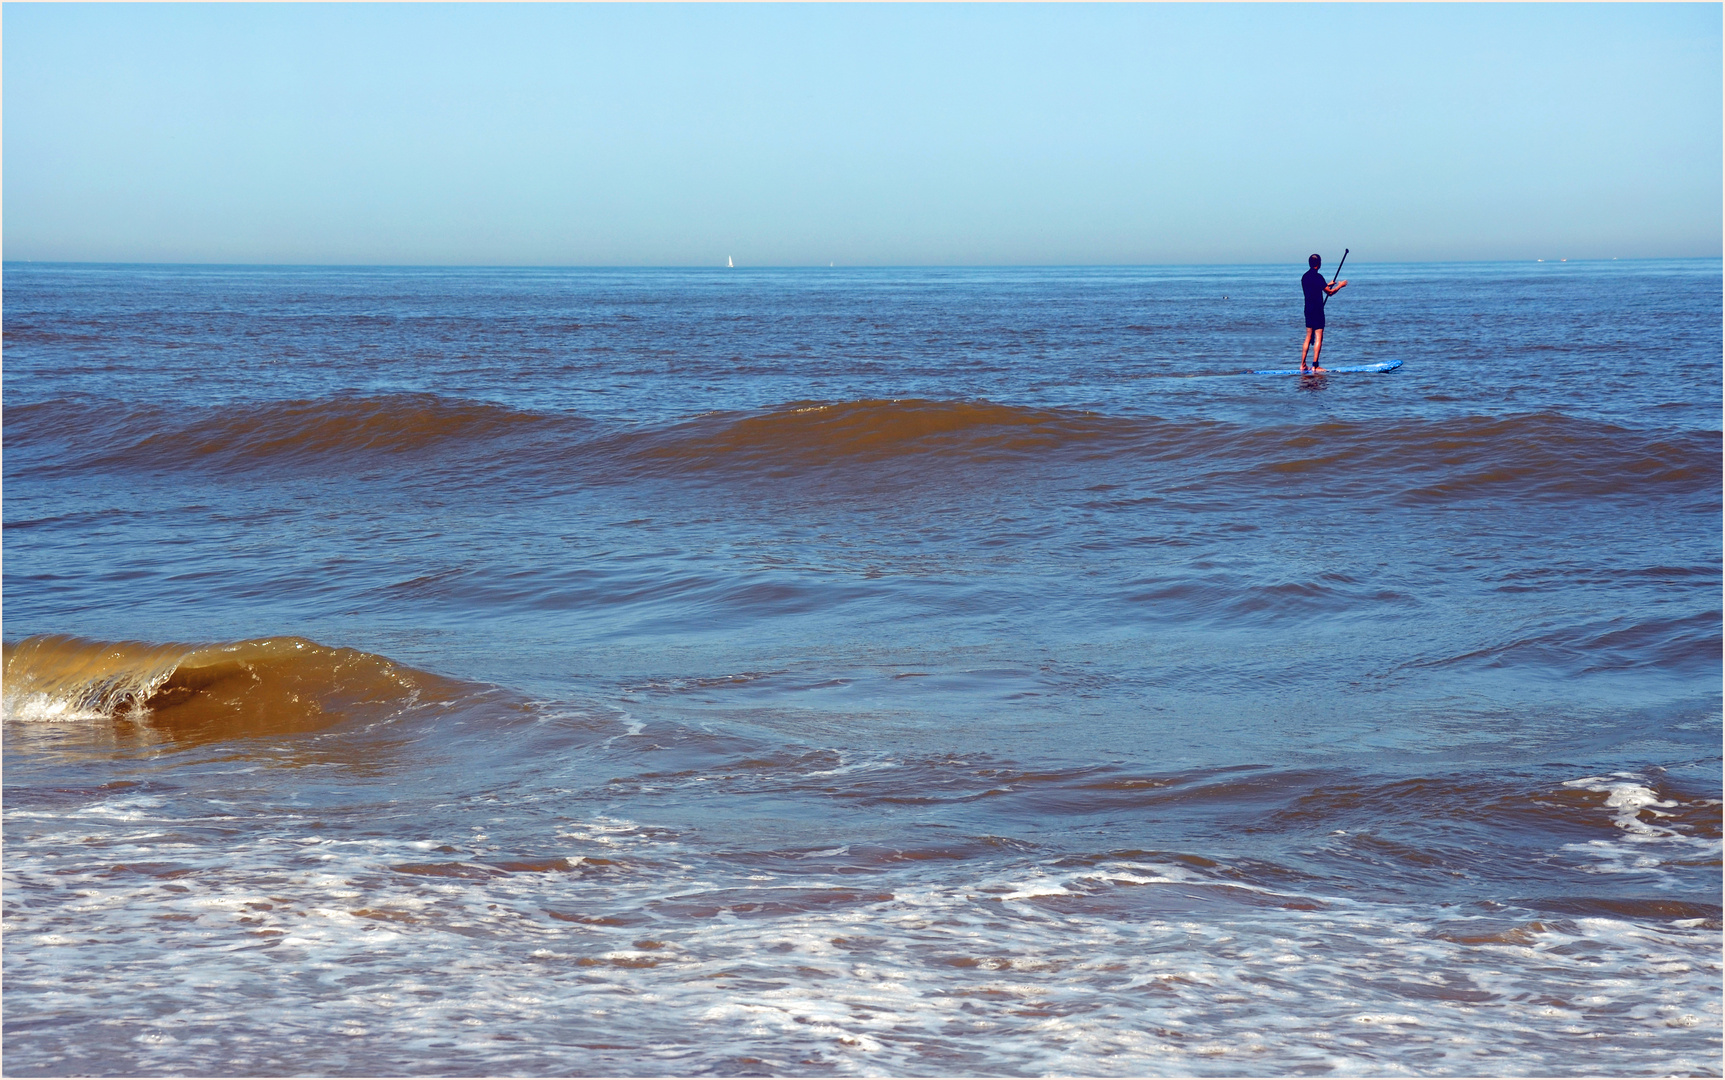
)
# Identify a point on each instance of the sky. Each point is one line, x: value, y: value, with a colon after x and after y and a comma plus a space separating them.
x: 969, y: 134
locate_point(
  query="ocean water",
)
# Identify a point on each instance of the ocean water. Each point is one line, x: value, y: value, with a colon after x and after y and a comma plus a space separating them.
x: 831, y: 672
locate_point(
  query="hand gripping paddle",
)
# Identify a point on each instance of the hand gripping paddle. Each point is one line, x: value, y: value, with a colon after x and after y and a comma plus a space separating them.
x: 1337, y: 274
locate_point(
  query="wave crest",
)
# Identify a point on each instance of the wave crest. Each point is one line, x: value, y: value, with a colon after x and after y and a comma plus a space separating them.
x: 257, y: 687
x: 239, y: 436
x: 811, y: 433
x: 1415, y: 461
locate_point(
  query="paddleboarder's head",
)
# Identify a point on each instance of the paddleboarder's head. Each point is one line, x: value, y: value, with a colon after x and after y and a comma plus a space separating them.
x: 1315, y: 261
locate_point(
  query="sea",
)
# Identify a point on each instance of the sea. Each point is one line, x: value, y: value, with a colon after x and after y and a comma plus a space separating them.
x: 861, y: 671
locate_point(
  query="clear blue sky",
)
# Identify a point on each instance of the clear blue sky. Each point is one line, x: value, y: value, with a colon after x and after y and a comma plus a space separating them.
x: 859, y: 134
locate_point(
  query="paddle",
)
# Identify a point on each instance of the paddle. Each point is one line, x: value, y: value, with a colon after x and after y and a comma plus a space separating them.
x: 1337, y: 274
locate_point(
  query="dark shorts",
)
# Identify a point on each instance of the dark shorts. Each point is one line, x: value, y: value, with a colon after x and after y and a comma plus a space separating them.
x: 1314, y: 318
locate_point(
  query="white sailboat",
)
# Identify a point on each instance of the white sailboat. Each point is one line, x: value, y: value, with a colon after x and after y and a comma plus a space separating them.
x: 729, y: 263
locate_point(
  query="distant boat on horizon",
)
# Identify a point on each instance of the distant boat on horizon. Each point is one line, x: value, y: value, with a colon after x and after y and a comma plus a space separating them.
x: 729, y: 263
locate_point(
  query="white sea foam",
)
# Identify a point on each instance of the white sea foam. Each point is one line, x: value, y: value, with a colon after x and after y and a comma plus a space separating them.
x: 38, y: 708
x: 1643, y: 846
x: 1111, y: 969
x: 1628, y: 795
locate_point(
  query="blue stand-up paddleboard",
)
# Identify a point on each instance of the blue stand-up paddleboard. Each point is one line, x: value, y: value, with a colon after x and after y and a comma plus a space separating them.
x: 1387, y: 365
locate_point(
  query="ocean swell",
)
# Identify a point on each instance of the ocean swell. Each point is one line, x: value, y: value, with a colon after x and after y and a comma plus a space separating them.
x: 1419, y: 462
x: 808, y: 434
x: 1433, y: 462
x: 101, y: 436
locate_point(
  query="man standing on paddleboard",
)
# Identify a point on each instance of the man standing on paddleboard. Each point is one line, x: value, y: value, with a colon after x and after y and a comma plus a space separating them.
x: 1317, y: 291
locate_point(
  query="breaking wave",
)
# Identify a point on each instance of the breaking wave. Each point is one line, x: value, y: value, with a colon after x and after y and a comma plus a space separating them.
x: 258, y: 687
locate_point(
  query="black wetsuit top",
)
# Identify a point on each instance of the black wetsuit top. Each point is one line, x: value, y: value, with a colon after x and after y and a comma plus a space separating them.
x: 1314, y: 285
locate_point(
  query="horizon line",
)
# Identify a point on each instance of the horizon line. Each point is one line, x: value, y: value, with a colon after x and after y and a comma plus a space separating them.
x: 812, y: 266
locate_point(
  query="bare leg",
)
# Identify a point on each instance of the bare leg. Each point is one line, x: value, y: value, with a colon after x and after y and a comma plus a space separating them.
x: 1307, y: 344
x: 1317, y: 347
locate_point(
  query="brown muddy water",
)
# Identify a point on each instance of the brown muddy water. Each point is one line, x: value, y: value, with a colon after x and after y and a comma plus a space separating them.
x: 920, y: 672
